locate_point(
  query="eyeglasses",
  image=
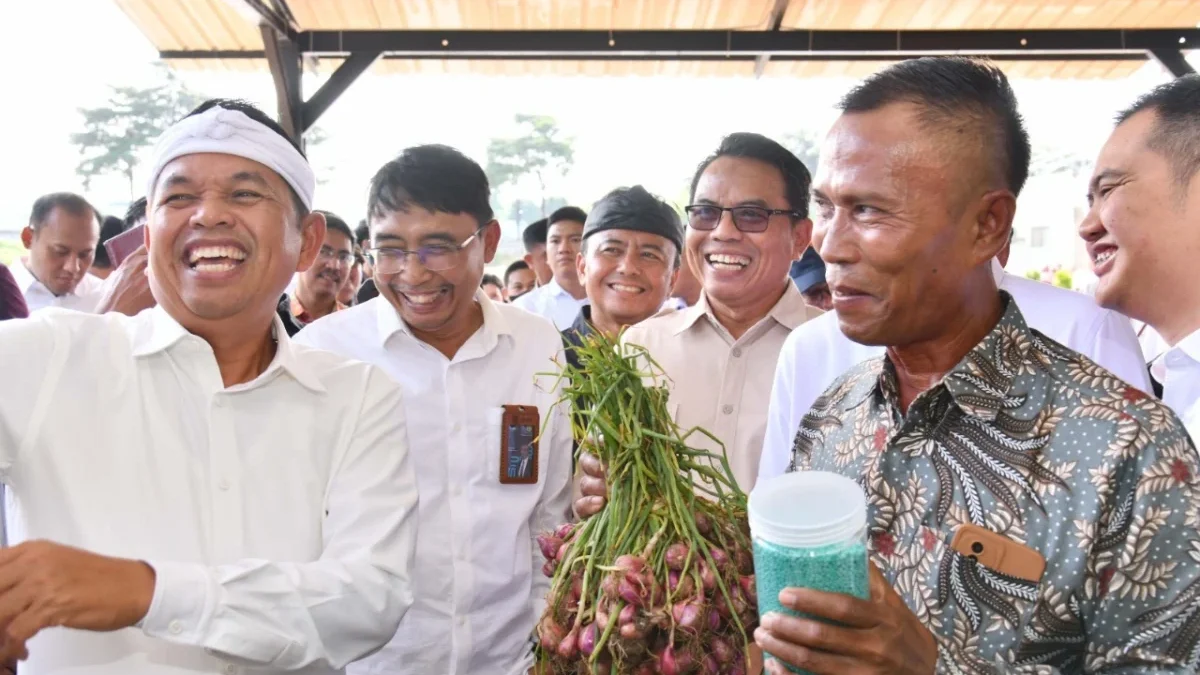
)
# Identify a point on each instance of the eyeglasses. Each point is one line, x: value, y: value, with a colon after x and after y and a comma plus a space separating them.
x: 434, y: 257
x: 745, y: 218
x: 343, y: 257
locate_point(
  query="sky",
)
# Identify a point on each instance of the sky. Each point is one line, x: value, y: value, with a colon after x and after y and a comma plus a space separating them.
x: 626, y: 130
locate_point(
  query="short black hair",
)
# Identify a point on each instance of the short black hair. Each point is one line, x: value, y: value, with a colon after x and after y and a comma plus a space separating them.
x: 437, y: 178
x: 1176, y: 133
x: 567, y: 213
x: 362, y: 233
x: 67, y: 201
x: 969, y: 96
x: 534, y: 234
x: 333, y: 222
x: 490, y: 279
x: 249, y: 110
x: 110, y: 227
x: 797, y: 181
x: 135, y: 212
x: 513, y: 268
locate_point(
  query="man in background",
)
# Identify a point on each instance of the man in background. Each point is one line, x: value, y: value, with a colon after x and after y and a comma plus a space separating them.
x: 561, y: 299
x: 534, y: 238
x: 318, y: 287
x: 61, y: 237
x: 354, y: 279
x: 135, y: 215
x: 367, y: 290
x: 101, y: 265
x: 1143, y: 234
x: 629, y: 257
x: 518, y: 280
x: 808, y: 273
x: 493, y: 288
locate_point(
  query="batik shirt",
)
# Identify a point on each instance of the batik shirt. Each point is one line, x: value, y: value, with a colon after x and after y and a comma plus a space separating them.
x: 1041, y: 445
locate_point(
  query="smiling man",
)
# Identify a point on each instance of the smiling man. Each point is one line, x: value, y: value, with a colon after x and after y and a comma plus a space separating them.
x: 628, y: 261
x: 748, y: 220
x: 318, y: 287
x: 1143, y: 232
x: 474, y: 374
x: 243, y: 502
x: 1028, y: 512
x: 561, y: 299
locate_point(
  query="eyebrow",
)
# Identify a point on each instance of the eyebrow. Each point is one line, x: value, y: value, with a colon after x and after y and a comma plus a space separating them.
x: 251, y: 177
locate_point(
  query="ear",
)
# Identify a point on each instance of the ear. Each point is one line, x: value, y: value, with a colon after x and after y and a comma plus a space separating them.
x: 581, y: 267
x: 491, y: 240
x: 145, y: 235
x: 993, y: 224
x: 528, y: 260
x: 312, y: 237
x: 27, y: 237
x: 801, y: 237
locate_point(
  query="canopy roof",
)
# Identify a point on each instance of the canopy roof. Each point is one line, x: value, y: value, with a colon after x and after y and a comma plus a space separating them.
x: 1078, y: 38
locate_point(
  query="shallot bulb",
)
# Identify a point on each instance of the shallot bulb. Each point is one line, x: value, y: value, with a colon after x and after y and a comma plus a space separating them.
x: 747, y: 584
x: 676, y: 556
x: 709, y: 666
x: 569, y: 645
x: 687, y: 615
x: 550, y: 633
x: 722, y: 651
x: 587, y: 639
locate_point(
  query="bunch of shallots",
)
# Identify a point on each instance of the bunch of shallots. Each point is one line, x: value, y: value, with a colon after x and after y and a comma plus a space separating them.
x: 661, y: 580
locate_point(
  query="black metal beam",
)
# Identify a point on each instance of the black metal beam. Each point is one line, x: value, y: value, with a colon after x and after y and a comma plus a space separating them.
x: 681, y: 44
x: 774, y: 23
x: 335, y: 86
x: 1173, y: 61
x: 284, y: 61
x: 1121, y: 56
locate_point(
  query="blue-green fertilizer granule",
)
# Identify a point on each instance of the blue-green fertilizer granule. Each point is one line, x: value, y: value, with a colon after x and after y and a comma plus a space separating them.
x: 837, y: 568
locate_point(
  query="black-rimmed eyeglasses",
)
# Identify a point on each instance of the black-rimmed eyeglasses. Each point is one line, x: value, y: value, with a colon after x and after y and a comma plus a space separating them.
x: 745, y: 218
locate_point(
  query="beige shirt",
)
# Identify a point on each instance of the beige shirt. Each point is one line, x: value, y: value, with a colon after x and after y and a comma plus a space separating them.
x: 718, y: 383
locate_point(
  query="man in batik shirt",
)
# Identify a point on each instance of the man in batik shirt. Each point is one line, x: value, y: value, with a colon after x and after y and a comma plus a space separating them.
x: 974, y: 418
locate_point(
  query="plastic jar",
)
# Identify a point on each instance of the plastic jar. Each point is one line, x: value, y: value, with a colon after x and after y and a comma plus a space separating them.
x: 809, y: 530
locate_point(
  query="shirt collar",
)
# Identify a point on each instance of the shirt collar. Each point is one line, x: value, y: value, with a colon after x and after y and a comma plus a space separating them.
x: 582, y: 326
x: 790, y: 311
x: 163, y: 332
x: 389, y: 323
x: 1188, y: 346
x: 981, y: 384
x: 24, y: 278
x: 301, y: 314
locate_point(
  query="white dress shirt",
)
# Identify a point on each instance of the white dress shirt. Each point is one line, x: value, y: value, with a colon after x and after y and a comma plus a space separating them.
x: 278, y: 515
x: 1178, y: 370
x: 818, y: 352
x: 84, y: 297
x: 478, y: 580
x: 553, y: 302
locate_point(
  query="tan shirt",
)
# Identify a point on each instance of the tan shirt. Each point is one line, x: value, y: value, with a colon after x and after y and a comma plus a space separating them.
x: 718, y: 383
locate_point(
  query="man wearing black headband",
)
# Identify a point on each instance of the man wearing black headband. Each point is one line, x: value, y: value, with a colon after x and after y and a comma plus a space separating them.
x: 629, y: 259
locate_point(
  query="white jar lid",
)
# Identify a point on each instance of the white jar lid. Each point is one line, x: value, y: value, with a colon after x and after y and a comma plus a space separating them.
x: 807, y: 508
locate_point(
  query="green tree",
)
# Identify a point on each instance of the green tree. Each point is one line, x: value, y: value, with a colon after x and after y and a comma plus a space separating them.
x: 539, y: 152
x: 132, y: 119
x: 1062, y: 279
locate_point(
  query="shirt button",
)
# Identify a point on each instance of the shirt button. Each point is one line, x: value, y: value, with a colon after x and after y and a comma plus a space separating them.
x: 223, y: 485
x: 175, y: 627
x: 219, y: 401
x: 727, y: 409
x: 462, y: 620
x: 737, y: 352
x: 456, y: 490
x: 229, y: 669
x: 456, y: 427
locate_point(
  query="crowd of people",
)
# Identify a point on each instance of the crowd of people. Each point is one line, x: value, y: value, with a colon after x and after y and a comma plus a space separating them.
x: 257, y: 440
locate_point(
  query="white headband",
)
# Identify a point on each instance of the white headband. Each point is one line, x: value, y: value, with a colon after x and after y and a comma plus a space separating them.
x: 231, y: 132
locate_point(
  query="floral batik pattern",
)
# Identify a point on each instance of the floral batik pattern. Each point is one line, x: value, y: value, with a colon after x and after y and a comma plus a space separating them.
x: 1035, y: 442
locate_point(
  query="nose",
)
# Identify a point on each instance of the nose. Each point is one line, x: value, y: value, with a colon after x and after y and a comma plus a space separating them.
x: 726, y: 229
x: 831, y: 239
x: 211, y: 211
x: 1090, y: 228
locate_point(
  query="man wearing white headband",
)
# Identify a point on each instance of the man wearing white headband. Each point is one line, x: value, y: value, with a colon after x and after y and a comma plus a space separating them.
x: 223, y: 499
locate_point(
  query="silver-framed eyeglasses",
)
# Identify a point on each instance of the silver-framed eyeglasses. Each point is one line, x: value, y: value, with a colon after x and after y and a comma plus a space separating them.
x: 328, y: 253
x: 433, y: 257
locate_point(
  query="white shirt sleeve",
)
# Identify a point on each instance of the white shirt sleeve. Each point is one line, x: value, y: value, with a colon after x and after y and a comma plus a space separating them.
x: 782, y: 416
x: 1115, y: 347
x: 335, y: 610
